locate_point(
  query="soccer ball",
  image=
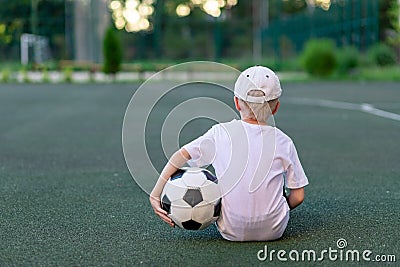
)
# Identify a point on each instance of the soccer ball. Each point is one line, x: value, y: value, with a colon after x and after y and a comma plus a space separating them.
x: 192, y: 198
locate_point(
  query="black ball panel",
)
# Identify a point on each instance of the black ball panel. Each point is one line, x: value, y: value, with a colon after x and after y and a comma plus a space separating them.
x: 166, y: 204
x: 178, y: 174
x: 210, y: 176
x: 193, y: 197
x: 191, y: 225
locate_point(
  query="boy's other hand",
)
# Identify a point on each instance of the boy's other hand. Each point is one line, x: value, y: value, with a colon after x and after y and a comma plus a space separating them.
x: 156, y: 205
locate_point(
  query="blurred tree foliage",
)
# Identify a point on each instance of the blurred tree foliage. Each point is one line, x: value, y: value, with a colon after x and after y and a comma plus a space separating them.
x: 394, y: 17
x: 385, y: 17
x: 15, y: 19
x: 195, y: 36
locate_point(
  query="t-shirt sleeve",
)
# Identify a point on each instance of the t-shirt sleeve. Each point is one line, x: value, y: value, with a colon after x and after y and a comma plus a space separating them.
x: 202, y: 150
x: 295, y: 176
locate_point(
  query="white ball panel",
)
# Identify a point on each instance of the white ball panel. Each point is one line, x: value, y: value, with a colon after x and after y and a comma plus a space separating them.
x: 202, y: 212
x: 175, y: 189
x: 176, y: 220
x: 194, y: 178
x: 210, y: 192
x: 206, y: 224
x: 181, y: 210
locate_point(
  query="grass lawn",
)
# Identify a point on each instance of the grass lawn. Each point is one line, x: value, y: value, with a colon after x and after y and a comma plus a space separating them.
x: 67, y: 198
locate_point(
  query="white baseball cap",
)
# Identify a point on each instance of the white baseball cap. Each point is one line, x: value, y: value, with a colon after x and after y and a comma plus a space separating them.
x: 258, y: 78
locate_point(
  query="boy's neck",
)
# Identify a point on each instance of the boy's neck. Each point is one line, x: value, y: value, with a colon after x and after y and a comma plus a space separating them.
x: 251, y: 121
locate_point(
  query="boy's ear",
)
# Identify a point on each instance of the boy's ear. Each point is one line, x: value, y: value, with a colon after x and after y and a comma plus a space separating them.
x: 276, y: 108
x: 236, y: 100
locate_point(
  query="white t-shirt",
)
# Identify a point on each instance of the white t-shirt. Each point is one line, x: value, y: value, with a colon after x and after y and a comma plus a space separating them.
x: 252, y: 163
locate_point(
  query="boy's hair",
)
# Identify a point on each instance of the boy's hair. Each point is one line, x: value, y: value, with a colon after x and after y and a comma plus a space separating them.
x: 257, y: 111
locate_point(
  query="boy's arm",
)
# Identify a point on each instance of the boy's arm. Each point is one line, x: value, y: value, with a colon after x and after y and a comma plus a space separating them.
x: 177, y: 160
x: 296, y: 197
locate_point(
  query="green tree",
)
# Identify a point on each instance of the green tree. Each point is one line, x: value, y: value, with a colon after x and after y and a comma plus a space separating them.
x: 112, y: 52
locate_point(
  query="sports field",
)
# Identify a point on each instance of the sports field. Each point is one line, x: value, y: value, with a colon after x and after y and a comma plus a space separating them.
x: 67, y: 198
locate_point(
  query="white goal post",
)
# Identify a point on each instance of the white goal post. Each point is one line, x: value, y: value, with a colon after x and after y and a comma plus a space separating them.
x: 40, y: 45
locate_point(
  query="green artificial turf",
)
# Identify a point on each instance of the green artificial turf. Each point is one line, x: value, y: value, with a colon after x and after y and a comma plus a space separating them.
x: 67, y: 198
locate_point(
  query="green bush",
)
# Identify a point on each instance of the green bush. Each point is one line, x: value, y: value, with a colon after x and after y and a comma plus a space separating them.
x: 319, y: 58
x: 68, y: 72
x: 45, y: 76
x: 5, y: 75
x: 348, y: 59
x: 382, y: 55
x: 25, y: 75
x: 112, y: 51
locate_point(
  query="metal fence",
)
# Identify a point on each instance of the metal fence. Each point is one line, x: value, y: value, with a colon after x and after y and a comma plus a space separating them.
x: 267, y: 29
x: 347, y: 22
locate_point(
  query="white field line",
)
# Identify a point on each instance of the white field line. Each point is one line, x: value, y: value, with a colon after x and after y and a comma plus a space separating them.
x: 364, y: 107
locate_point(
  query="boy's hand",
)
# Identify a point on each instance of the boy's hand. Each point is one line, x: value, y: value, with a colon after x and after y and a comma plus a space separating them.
x: 295, y: 198
x: 156, y: 205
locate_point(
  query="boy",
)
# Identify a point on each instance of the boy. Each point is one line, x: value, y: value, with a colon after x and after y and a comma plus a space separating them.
x: 252, y: 160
